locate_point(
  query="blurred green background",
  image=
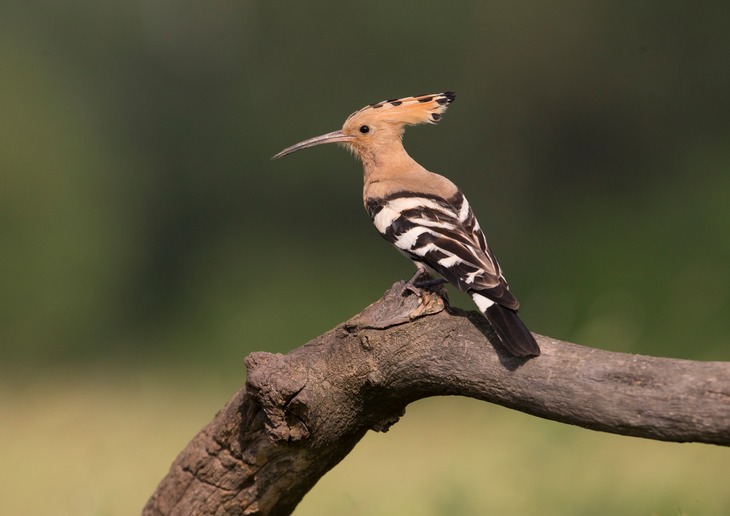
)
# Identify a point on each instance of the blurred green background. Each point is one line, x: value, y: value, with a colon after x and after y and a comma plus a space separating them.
x: 147, y: 242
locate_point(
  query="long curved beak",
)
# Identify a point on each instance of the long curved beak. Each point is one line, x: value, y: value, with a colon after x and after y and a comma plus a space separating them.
x: 333, y: 137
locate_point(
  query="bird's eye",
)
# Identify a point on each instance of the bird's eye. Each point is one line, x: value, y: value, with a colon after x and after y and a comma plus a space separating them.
x: 364, y: 129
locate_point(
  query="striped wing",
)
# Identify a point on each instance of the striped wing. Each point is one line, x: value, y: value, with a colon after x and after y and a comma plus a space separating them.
x: 444, y: 235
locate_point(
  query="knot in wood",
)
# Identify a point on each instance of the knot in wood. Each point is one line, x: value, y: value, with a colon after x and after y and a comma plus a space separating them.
x: 275, y: 385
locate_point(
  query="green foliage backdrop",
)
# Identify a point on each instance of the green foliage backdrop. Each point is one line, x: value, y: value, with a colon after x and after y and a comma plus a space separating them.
x: 142, y: 216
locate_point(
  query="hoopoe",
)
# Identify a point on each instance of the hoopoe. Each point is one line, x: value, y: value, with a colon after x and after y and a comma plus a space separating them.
x: 424, y: 215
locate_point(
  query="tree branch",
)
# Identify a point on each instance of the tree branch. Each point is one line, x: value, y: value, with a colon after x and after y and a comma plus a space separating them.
x: 300, y: 414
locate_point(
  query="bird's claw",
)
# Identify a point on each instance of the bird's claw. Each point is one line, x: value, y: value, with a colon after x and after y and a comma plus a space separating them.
x: 408, y: 287
x: 412, y: 285
x: 421, y: 281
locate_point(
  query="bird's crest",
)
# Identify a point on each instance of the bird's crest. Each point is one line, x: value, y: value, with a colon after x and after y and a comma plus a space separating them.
x: 420, y: 109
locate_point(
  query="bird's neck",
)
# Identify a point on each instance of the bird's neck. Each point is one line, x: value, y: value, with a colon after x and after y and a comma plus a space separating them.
x: 388, y: 170
x: 387, y: 161
x: 391, y: 170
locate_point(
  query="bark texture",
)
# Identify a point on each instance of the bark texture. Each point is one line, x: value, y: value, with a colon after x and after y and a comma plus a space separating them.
x: 301, y: 413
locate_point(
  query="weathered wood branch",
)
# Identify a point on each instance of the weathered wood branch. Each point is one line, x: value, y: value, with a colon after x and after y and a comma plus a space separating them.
x: 300, y: 414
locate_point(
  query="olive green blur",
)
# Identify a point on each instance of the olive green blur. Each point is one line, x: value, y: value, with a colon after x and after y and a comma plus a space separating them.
x: 144, y: 227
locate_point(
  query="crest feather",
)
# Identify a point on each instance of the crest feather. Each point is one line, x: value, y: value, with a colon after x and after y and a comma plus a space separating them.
x: 420, y: 109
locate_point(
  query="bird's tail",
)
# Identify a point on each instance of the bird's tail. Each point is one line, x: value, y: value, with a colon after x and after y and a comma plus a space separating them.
x: 511, y: 330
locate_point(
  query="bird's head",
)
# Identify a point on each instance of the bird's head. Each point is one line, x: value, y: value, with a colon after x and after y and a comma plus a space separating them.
x: 379, y: 125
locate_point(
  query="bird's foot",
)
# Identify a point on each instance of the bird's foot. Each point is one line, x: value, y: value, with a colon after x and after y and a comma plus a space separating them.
x: 409, y: 288
x: 421, y: 280
x: 413, y: 286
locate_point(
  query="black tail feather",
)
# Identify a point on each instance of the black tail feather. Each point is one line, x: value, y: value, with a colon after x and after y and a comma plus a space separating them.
x: 512, y: 331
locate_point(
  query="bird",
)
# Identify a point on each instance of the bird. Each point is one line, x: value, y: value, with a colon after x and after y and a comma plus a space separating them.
x: 424, y: 214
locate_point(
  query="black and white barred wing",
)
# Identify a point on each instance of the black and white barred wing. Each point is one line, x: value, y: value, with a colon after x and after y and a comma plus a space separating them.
x: 445, y: 236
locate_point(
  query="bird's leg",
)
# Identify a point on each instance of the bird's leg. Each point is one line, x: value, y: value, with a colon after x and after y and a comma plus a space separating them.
x: 430, y: 282
x: 420, y: 280
x: 410, y: 285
